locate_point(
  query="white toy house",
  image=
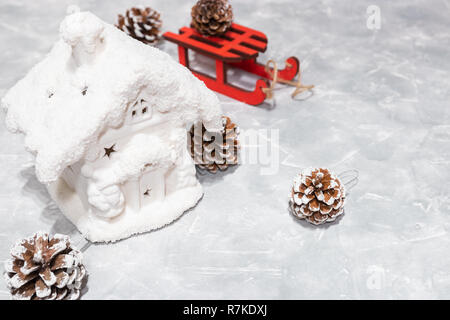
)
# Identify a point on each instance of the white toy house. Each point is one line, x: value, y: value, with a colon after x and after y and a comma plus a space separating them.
x: 106, y: 117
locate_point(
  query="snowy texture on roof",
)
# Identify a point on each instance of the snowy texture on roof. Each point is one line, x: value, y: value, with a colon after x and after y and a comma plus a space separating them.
x: 85, y: 85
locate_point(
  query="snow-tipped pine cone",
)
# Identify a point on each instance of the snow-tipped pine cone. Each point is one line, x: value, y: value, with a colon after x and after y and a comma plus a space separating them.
x: 205, y: 144
x: 44, y: 268
x: 317, y: 196
x: 142, y: 24
x: 212, y: 17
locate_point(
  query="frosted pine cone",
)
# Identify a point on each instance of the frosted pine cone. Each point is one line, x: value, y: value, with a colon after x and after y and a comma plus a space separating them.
x: 143, y: 24
x: 44, y: 268
x: 212, y: 151
x: 212, y: 17
x: 317, y: 196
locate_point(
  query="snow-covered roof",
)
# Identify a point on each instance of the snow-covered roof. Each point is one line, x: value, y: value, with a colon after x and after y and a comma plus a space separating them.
x: 84, y: 85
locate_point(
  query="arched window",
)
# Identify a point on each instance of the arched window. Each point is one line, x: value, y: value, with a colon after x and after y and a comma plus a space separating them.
x: 140, y: 110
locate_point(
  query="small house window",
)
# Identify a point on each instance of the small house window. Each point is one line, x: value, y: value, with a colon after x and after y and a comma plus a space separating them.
x: 140, y: 111
x: 147, y: 192
x: 49, y: 92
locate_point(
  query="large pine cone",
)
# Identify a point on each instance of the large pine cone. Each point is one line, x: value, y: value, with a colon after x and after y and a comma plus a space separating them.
x: 212, y: 151
x: 45, y: 268
x: 317, y: 196
x: 212, y: 17
x: 143, y: 24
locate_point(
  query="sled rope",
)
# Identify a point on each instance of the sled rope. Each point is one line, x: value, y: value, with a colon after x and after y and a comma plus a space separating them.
x: 299, y: 86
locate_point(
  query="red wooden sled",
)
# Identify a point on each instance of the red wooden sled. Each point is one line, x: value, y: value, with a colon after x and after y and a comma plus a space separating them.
x: 239, y: 47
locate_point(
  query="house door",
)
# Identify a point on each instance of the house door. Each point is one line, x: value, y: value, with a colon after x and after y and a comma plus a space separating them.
x: 152, y: 187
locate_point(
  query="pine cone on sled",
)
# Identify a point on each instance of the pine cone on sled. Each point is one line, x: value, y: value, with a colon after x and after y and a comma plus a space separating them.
x: 142, y: 24
x: 204, y: 145
x: 317, y: 196
x: 212, y: 17
x: 44, y: 268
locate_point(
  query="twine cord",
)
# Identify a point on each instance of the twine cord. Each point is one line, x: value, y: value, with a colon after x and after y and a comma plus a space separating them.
x: 299, y: 86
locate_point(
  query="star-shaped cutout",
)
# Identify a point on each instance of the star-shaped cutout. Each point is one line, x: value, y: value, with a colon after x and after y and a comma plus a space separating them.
x: 109, y: 150
x: 147, y: 192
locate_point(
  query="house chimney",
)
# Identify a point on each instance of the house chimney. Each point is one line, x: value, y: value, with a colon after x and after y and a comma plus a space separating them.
x: 84, y: 33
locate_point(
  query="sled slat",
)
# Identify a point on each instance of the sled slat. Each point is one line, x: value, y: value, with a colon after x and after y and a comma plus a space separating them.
x: 251, y: 32
x: 240, y: 43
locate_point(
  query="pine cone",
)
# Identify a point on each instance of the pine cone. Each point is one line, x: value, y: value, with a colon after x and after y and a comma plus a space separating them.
x: 204, y: 145
x: 44, y: 268
x: 142, y: 24
x: 212, y: 17
x: 317, y: 196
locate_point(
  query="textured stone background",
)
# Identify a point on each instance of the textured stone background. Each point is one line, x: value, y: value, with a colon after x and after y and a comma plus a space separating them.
x: 380, y: 107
